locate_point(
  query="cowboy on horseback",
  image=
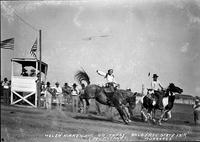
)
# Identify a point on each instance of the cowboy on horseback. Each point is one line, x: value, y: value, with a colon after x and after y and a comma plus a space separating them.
x: 157, y: 88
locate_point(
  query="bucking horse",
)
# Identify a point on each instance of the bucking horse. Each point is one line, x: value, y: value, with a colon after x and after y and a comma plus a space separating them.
x: 168, y: 102
x: 121, y: 99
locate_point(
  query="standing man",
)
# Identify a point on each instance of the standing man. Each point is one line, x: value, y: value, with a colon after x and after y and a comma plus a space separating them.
x: 6, y: 94
x: 66, y: 89
x: 59, y: 95
x: 196, y: 111
x: 75, y: 99
x: 156, y: 86
x: 82, y: 102
x: 48, y: 95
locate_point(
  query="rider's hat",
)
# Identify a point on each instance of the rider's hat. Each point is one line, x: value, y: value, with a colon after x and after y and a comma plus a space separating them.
x: 57, y: 83
x: 155, y: 75
x: 110, y: 70
x: 48, y: 83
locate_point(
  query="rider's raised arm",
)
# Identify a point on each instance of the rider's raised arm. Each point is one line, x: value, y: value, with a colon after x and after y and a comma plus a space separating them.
x: 101, y: 73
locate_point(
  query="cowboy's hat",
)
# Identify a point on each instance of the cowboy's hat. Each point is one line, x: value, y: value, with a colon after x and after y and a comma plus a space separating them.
x: 155, y: 75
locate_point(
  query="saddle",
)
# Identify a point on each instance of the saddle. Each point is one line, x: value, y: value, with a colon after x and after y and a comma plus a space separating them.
x: 109, y: 88
x: 150, y: 95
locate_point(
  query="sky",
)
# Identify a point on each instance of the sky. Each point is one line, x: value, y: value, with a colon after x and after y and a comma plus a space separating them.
x: 133, y: 37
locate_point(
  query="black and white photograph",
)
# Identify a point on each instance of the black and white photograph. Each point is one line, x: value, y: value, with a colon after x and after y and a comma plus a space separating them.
x: 100, y: 70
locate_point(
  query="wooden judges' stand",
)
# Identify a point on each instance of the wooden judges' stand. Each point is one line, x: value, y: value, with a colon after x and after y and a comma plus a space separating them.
x: 25, y: 89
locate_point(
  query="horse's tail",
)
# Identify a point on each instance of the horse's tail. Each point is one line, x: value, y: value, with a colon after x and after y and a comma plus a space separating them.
x: 81, y: 75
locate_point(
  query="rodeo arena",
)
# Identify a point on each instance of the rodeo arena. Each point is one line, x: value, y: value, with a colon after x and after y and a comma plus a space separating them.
x: 37, y: 108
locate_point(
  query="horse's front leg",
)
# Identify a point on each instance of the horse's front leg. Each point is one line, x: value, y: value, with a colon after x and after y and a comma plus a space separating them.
x: 87, y: 106
x: 143, y: 115
x: 167, y: 116
x: 162, y: 116
x: 154, y: 115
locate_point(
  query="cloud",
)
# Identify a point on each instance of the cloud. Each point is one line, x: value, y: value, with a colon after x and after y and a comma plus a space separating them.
x: 185, y: 47
x: 197, y: 89
x: 8, y: 7
x: 76, y: 17
x: 192, y: 18
x: 7, y: 11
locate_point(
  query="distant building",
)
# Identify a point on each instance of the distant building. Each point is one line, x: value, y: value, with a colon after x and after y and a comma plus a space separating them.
x: 180, y: 98
x: 184, y: 99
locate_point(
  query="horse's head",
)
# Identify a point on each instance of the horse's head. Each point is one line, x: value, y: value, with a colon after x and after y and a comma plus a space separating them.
x: 174, y: 89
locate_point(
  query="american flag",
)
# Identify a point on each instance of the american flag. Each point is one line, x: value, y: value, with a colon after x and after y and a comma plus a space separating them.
x: 8, y: 44
x: 34, y: 49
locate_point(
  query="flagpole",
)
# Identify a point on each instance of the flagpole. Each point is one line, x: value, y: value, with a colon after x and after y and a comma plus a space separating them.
x: 40, y: 65
x: 0, y: 68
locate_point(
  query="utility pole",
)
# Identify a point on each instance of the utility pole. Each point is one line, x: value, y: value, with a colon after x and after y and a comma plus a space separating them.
x: 40, y: 66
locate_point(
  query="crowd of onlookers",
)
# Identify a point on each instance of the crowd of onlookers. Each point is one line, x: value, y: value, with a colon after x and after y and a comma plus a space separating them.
x: 61, y: 95
x: 54, y: 94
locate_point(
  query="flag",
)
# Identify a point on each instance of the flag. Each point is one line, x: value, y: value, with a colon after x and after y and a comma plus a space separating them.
x: 149, y: 74
x: 8, y: 44
x: 34, y: 49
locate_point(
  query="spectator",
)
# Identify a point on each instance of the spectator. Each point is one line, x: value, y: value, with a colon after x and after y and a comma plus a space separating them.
x: 66, y: 89
x: 48, y: 95
x: 32, y: 74
x: 74, y: 98
x: 1, y: 89
x: 59, y: 95
x: 196, y: 112
x: 24, y: 72
x: 6, y: 94
x: 82, y: 103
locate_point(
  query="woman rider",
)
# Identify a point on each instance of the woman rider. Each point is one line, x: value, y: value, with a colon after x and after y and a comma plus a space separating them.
x: 110, y: 80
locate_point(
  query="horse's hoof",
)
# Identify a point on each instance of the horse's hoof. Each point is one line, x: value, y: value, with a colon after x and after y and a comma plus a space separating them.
x: 154, y: 121
x: 164, y: 119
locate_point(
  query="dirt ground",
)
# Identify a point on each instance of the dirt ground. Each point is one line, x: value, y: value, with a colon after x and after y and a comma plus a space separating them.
x: 19, y: 124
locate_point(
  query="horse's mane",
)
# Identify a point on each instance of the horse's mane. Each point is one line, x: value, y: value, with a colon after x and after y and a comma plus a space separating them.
x: 81, y: 75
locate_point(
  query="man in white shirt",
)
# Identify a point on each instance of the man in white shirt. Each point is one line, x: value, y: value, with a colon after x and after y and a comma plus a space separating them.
x: 156, y: 86
x: 59, y: 94
x: 6, y: 87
